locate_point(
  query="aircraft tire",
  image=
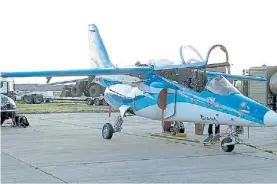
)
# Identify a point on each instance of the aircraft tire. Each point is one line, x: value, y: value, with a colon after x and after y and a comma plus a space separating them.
x: 25, y: 121
x: 22, y: 121
x: 107, y: 131
x: 182, y: 130
x: 228, y: 148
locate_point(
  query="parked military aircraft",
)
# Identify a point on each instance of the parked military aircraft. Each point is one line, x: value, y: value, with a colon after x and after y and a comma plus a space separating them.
x: 200, y: 97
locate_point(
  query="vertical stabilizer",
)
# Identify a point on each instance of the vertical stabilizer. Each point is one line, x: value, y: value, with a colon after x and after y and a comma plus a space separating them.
x: 98, y: 53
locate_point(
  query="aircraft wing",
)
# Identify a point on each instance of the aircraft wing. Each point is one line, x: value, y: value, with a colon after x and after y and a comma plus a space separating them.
x: 100, y: 71
x: 235, y: 77
x: 78, y: 72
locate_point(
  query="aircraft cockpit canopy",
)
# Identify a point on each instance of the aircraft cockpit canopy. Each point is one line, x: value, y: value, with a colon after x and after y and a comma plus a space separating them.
x: 221, y: 86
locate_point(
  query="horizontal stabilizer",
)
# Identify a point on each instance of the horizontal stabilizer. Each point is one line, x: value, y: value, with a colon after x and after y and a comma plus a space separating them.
x: 235, y: 77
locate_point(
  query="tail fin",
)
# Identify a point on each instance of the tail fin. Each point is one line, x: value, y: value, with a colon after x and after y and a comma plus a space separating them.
x: 98, y: 53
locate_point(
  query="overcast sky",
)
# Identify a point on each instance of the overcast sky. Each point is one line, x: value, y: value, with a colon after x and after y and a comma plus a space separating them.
x: 52, y: 34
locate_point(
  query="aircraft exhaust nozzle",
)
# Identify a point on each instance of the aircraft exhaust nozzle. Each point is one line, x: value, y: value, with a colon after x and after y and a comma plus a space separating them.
x: 270, y: 118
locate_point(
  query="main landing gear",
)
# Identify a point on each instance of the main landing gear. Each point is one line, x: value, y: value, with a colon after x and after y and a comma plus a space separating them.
x: 108, y: 129
x: 232, y: 138
x: 177, y: 127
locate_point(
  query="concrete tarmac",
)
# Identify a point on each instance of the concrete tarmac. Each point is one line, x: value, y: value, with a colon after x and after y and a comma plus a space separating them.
x: 69, y: 148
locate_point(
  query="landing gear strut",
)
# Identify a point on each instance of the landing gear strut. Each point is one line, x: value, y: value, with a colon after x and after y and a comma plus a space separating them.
x: 108, y: 129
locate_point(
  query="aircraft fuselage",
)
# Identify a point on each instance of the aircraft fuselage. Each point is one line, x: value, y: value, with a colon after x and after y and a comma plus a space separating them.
x: 187, y: 105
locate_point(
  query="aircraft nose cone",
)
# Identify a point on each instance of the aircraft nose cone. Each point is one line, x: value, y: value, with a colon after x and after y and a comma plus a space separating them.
x: 270, y: 118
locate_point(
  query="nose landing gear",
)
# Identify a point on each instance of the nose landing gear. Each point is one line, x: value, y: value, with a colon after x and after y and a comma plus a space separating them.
x: 229, y: 142
x: 108, y: 129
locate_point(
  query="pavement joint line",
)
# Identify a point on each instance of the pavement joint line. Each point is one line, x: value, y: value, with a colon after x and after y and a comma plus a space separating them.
x: 256, y: 156
x: 36, y: 168
x: 188, y: 143
x: 136, y: 160
x: 77, y: 125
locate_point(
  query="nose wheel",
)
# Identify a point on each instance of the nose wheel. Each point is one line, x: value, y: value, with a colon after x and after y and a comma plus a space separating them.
x: 107, y: 131
x: 227, y: 144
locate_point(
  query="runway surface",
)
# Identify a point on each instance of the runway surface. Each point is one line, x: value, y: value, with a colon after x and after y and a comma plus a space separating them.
x: 69, y: 148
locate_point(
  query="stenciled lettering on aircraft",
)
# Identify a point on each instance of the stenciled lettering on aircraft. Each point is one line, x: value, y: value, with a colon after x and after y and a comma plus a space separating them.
x: 205, y: 118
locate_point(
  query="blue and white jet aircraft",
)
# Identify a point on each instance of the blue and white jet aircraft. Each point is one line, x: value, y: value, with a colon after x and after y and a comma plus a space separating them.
x: 153, y: 95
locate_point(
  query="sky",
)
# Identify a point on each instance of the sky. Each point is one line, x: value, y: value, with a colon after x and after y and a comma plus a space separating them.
x: 53, y: 34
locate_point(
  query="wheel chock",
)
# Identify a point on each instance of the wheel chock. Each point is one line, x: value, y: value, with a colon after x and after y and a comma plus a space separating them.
x: 181, y: 135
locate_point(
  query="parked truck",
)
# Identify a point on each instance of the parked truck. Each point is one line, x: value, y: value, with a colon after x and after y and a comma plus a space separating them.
x: 262, y: 92
x: 86, y: 88
x: 36, y: 97
x: 7, y: 88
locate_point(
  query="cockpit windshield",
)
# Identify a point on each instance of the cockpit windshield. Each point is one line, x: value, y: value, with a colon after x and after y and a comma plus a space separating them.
x: 221, y: 86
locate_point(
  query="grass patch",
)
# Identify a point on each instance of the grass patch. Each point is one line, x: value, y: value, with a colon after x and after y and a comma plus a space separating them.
x: 59, y: 108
